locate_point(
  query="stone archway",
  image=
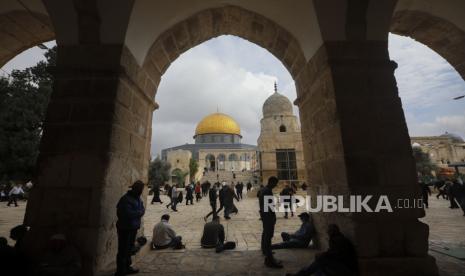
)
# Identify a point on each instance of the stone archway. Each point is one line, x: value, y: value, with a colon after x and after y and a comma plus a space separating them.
x: 214, y: 22
x: 21, y: 30
x: 440, y: 35
x: 349, y: 65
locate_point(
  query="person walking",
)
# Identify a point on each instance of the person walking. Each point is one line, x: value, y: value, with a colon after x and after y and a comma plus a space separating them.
x: 173, y: 194
x: 129, y: 211
x: 237, y: 188
x: 190, y: 194
x: 240, y: 190
x: 156, y: 194
x: 268, y: 218
x: 221, y: 195
x: 249, y: 186
x: 212, y: 196
x: 14, y: 194
x: 197, y: 192
x: 425, y: 193
x: 229, y: 197
x: 286, y: 195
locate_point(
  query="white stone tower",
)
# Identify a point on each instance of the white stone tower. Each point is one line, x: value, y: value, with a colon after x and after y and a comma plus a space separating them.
x: 280, y: 141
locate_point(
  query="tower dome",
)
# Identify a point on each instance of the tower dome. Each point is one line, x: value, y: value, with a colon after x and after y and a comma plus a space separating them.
x: 454, y: 137
x: 217, y: 123
x: 277, y: 104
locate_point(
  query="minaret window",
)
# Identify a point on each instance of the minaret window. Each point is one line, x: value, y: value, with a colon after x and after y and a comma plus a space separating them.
x: 286, y: 164
x: 282, y: 128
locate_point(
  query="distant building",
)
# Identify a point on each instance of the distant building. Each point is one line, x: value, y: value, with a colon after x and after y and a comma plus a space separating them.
x: 223, y: 157
x: 443, y: 150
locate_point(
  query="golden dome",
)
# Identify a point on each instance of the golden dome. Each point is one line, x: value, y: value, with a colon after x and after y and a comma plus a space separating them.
x: 217, y: 123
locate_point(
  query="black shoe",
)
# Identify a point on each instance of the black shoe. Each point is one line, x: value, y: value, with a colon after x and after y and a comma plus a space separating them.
x: 273, y: 263
x: 227, y: 217
x: 131, y: 270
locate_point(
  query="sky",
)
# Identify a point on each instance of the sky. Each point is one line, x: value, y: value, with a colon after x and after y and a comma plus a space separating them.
x: 235, y: 76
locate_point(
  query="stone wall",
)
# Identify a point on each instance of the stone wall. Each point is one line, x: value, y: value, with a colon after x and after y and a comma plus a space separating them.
x: 179, y: 159
x: 356, y: 143
x: 95, y: 145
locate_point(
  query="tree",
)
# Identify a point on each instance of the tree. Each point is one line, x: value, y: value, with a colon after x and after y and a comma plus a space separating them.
x: 193, y: 168
x: 180, y: 176
x: 424, y: 165
x: 159, y: 171
x: 24, y: 99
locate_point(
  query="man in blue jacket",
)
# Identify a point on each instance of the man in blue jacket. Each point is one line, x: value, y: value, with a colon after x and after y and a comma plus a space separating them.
x: 129, y: 210
x: 301, y: 238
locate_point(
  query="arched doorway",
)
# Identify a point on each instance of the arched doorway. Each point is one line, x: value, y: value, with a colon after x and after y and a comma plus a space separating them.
x: 221, y: 162
x: 211, y: 162
x: 232, y: 159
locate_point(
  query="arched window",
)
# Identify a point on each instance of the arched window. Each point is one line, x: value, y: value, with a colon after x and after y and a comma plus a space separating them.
x: 221, y: 162
x: 282, y: 128
x: 232, y: 157
x: 210, y: 162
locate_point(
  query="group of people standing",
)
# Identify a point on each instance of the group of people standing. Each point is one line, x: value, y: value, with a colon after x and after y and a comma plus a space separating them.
x: 449, y: 189
x: 12, y: 195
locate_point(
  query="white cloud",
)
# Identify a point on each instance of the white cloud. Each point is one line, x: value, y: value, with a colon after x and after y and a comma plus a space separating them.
x: 427, y: 83
x: 209, y: 77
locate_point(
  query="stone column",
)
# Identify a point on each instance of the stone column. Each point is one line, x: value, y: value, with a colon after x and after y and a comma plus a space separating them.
x: 356, y: 142
x: 95, y: 144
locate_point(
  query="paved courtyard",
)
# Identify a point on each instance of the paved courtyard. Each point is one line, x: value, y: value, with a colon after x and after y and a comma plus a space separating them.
x: 447, y: 229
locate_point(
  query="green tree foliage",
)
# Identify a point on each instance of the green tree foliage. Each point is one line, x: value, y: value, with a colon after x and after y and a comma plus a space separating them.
x: 424, y: 165
x: 23, y: 102
x: 193, y: 168
x: 180, y: 176
x: 159, y: 172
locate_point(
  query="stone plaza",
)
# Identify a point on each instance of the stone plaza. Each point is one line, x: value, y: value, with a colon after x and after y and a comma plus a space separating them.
x: 446, y: 230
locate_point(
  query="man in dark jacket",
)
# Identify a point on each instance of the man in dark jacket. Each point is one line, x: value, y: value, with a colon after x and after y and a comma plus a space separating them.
x: 229, y: 196
x: 190, y: 194
x: 339, y: 260
x: 129, y: 210
x: 268, y: 218
x: 212, y: 196
x: 213, y: 233
x: 287, y: 199
x: 221, y: 196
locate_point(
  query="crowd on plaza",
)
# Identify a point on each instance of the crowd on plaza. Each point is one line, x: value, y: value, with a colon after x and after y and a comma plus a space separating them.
x: 452, y: 189
x: 339, y: 259
x: 62, y: 258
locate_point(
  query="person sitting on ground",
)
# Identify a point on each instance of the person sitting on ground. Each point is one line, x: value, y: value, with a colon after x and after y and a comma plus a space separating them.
x: 213, y: 236
x: 301, y: 238
x: 22, y: 261
x: 339, y: 259
x: 7, y: 258
x: 62, y: 259
x: 164, y: 235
